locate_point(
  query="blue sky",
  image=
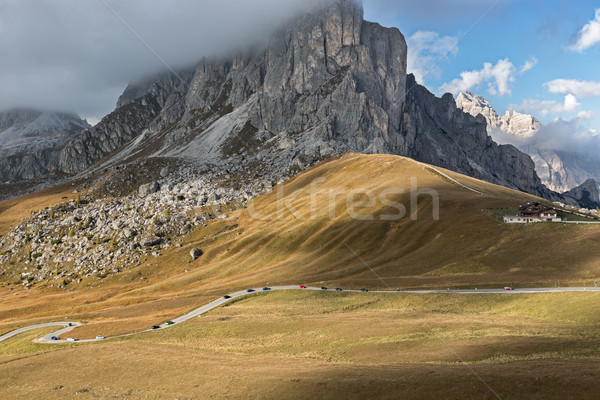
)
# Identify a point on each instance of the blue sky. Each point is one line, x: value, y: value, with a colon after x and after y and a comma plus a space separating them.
x: 558, y: 40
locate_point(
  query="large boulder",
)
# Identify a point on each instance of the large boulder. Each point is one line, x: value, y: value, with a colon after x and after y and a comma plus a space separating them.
x: 196, y: 253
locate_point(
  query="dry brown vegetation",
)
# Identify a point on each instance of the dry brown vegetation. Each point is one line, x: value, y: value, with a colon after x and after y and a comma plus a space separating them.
x: 467, y: 247
x: 332, y: 345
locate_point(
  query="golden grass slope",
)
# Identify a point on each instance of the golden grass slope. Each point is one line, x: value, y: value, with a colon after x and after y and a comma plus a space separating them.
x: 332, y: 345
x: 301, y: 243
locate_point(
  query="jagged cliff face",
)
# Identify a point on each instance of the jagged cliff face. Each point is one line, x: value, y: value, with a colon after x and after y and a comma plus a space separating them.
x: 327, y: 83
x: 438, y: 132
x: 31, y: 139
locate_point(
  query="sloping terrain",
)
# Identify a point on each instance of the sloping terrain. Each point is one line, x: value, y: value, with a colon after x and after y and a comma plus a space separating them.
x: 333, y: 345
x: 350, y: 345
x: 279, y: 242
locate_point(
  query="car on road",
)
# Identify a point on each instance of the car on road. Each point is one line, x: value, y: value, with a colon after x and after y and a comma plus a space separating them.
x: 339, y: 289
x: 70, y: 324
x: 302, y: 287
x: 266, y: 288
x: 364, y: 290
x: 508, y: 288
x: 250, y: 290
x: 70, y: 339
x: 53, y: 338
x: 155, y: 327
x: 170, y: 323
x: 227, y: 296
x: 100, y: 337
x: 323, y: 287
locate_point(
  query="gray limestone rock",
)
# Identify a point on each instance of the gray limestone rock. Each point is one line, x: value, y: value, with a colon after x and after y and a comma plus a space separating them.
x: 326, y: 83
x: 196, y: 253
x: 585, y: 194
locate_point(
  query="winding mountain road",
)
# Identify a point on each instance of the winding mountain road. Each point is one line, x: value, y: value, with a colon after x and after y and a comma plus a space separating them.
x: 68, y: 326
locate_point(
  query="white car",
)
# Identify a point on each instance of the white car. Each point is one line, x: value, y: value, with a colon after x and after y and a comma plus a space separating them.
x: 100, y: 337
x: 70, y: 339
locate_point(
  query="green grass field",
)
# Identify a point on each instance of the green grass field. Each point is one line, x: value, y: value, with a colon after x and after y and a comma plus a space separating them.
x: 293, y: 343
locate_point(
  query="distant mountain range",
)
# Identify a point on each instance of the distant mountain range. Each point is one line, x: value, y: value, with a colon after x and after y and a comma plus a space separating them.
x: 326, y: 83
x: 559, y: 170
x: 30, y: 139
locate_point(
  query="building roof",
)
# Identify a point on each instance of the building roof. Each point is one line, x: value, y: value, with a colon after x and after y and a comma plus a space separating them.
x: 534, y: 208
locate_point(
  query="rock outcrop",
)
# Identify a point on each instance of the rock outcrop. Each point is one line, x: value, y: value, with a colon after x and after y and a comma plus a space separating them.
x: 515, y: 123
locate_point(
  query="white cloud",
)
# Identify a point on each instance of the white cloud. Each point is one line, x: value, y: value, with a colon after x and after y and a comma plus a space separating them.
x: 498, y: 77
x: 92, y: 120
x: 545, y: 107
x: 573, y: 136
x: 570, y: 103
x: 576, y: 87
x: 589, y: 35
x: 426, y: 50
x: 585, y: 115
x: 529, y: 64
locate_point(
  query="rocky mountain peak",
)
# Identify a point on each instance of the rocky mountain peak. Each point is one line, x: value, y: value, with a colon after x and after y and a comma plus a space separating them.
x: 586, y: 194
x: 30, y: 138
x: 514, y: 123
x: 559, y: 171
x: 326, y: 83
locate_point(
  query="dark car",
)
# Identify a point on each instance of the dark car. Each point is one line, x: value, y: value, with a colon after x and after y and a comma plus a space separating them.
x: 227, y: 296
x: 339, y: 289
x: 323, y: 288
x: 155, y: 327
x: 53, y: 338
x: 250, y: 290
x: 364, y: 290
x: 170, y: 323
x: 266, y: 288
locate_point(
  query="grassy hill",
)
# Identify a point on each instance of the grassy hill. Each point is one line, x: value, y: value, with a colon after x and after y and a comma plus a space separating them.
x: 307, y: 345
x: 314, y: 240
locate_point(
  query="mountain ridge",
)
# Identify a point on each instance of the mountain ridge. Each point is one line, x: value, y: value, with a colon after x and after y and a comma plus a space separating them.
x: 326, y: 83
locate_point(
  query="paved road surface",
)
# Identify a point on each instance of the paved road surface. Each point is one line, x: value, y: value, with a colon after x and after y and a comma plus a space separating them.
x: 68, y: 326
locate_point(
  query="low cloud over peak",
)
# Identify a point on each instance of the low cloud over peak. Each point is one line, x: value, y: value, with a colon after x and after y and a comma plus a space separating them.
x: 79, y: 55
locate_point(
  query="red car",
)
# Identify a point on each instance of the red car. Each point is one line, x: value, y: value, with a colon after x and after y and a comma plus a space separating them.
x: 508, y: 288
x: 302, y: 287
